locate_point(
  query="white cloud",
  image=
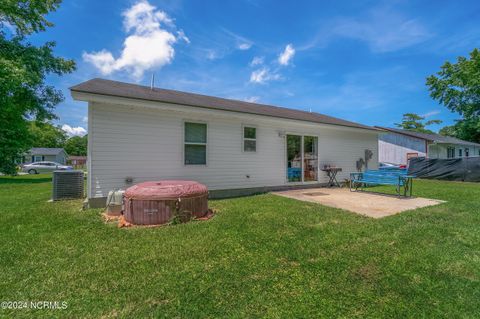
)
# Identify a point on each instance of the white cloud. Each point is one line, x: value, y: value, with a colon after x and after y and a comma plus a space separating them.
x: 244, y: 46
x: 263, y: 75
x: 103, y: 60
x: 241, y: 42
x: 252, y: 99
x: 181, y: 35
x: 431, y: 113
x: 287, y: 54
x: 257, y: 60
x: 149, y: 45
x: 211, y: 55
x: 383, y: 29
x: 74, y: 131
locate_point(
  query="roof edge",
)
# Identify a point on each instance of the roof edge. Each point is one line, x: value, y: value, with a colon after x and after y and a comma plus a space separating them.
x: 382, y: 128
x: 78, y: 89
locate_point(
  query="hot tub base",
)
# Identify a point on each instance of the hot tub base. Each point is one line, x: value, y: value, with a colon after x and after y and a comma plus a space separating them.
x: 156, y: 203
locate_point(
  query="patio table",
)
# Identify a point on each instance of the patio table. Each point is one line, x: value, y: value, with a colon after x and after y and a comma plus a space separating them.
x: 332, y: 175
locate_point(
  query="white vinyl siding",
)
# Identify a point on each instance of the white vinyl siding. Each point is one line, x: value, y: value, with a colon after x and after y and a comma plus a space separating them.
x: 148, y: 144
x: 393, y: 148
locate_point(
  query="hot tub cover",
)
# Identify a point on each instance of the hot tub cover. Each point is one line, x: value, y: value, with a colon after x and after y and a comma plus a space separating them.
x: 169, y: 189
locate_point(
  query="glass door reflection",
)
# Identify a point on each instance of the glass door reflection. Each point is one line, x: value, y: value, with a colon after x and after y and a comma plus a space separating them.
x: 294, y: 158
x: 310, y: 158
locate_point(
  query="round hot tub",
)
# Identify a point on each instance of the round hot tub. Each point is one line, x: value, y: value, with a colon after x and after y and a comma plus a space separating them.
x: 154, y: 203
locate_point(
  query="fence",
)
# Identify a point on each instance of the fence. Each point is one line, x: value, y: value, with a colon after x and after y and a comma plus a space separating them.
x: 465, y: 169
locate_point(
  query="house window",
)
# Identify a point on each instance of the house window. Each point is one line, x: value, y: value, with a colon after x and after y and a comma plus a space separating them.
x: 467, y: 152
x: 37, y: 158
x: 195, y: 143
x: 249, y: 139
x: 450, y: 152
x: 460, y: 152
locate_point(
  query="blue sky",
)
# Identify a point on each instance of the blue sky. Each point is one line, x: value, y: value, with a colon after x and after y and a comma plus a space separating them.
x: 365, y: 61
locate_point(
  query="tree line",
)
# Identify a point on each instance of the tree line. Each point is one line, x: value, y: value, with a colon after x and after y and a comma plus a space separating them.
x: 47, y: 135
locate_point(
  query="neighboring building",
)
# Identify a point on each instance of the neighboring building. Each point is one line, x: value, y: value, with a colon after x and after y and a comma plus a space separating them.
x: 397, y: 146
x: 39, y: 154
x: 77, y: 161
x: 136, y: 133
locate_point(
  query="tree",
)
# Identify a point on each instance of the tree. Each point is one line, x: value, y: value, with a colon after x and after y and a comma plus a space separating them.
x: 77, y: 145
x: 457, y: 86
x: 466, y: 129
x: 448, y: 131
x: 414, y: 122
x: 46, y: 135
x: 24, y: 95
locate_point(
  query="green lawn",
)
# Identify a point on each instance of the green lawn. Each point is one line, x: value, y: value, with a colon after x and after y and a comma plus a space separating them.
x: 260, y: 256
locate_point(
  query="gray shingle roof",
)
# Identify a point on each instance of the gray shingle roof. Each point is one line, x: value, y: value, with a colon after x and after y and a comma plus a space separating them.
x: 429, y: 137
x: 45, y: 151
x: 126, y: 90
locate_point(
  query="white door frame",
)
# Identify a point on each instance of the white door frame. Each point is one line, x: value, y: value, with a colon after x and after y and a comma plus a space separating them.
x: 302, y: 182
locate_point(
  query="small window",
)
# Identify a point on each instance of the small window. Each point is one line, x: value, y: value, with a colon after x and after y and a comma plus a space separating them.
x: 195, y: 144
x: 38, y: 158
x: 467, y: 152
x: 249, y: 139
x: 460, y: 152
x: 450, y: 152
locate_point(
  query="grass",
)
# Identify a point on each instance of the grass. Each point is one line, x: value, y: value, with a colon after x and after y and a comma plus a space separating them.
x: 260, y: 256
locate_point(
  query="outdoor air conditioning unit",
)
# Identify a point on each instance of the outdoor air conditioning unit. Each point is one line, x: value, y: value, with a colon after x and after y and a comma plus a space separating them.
x: 67, y: 184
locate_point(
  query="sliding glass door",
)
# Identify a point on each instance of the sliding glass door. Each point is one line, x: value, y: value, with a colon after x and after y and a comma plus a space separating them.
x: 310, y: 158
x: 302, y: 158
x: 294, y: 158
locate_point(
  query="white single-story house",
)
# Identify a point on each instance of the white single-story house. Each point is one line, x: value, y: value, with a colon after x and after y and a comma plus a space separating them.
x: 39, y: 154
x: 396, y: 146
x: 138, y: 133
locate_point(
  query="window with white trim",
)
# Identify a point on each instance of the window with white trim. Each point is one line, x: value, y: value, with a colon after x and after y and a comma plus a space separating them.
x: 195, y: 144
x: 467, y: 152
x: 37, y: 158
x: 460, y: 152
x: 249, y: 139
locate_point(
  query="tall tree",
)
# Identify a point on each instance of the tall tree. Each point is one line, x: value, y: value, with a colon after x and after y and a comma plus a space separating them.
x: 23, y: 68
x: 457, y: 86
x: 77, y: 145
x: 466, y: 129
x: 448, y: 131
x: 416, y: 123
x: 47, y: 135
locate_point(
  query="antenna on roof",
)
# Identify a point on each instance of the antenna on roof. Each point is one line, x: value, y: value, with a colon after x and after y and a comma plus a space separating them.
x: 152, y: 84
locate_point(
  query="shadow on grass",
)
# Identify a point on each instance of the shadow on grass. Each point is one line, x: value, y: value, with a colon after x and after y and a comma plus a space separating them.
x: 24, y: 180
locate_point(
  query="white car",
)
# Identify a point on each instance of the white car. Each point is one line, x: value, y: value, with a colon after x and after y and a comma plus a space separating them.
x: 43, y: 167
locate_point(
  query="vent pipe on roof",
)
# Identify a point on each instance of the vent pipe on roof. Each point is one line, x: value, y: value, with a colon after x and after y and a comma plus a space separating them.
x: 152, y: 84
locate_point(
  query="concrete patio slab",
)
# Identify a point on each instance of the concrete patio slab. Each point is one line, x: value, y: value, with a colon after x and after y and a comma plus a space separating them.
x: 364, y: 203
